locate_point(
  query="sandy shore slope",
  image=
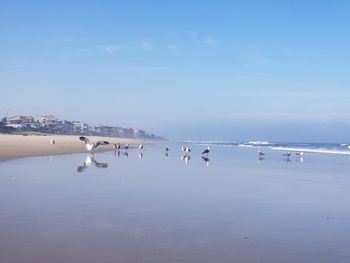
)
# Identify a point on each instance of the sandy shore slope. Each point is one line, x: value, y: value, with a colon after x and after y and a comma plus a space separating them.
x: 15, y: 146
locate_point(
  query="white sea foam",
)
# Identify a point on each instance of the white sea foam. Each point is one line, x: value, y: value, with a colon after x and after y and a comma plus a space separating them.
x: 246, y: 145
x: 312, y: 150
x: 260, y: 143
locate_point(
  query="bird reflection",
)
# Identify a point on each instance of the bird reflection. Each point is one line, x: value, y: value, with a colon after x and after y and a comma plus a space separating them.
x: 206, y: 160
x: 287, y: 159
x: 116, y: 153
x: 186, y: 158
x: 126, y: 155
x: 260, y: 159
x: 90, y: 160
x: 140, y: 155
x: 166, y: 152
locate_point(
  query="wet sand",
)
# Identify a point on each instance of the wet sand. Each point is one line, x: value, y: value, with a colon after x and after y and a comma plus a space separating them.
x: 157, y: 208
x: 15, y: 146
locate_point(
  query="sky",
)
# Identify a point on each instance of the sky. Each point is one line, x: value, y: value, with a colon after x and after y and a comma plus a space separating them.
x: 185, y: 70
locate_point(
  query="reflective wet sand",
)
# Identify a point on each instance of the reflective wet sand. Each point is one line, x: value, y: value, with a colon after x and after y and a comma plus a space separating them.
x: 128, y: 207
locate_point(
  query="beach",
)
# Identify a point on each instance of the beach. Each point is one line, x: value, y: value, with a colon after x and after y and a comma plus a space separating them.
x: 147, y: 206
x: 16, y: 146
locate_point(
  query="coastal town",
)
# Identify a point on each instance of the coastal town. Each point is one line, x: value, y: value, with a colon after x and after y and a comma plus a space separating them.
x: 49, y: 124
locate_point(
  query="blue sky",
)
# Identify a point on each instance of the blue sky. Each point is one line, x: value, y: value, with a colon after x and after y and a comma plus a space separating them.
x: 230, y: 70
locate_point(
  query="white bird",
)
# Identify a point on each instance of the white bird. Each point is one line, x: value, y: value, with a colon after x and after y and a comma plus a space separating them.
x: 141, y: 146
x: 187, y: 149
x: 206, y: 151
x: 92, y: 146
x: 126, y: 147
x: 183, y: 148
x: 301, y: 154
x: 52, y: 141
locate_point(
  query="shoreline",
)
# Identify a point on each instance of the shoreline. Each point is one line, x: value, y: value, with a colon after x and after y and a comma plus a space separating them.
x: 19, y: 146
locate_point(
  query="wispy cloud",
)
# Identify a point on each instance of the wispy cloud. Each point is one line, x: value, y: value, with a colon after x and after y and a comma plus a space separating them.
x: 172, y: 46
x: 146, y: 44
x: 210, y: 41
x: 111, y: 49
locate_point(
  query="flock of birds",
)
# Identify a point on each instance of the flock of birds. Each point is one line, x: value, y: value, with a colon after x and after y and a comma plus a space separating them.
x: 286, y: 156
x: 91, y: 147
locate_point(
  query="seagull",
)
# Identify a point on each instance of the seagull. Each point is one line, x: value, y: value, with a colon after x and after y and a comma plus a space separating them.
x: 301, y: 154
x: 141, y: 146
x: 261, y: 153
x: 187, y: 150
x: 52, y: 141
x: 183, y: 148
x: 91, y: 147
x: 167, y: 149
x: 287, y: 155
x: 117, y: 146
x: 206, y: 151
x: 90, y: 160
x: 126, y: 147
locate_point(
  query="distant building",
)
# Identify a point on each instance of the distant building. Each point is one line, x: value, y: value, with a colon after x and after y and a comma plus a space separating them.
x: 81, y: 127
x: 47, y: 121
x: 18, y: 119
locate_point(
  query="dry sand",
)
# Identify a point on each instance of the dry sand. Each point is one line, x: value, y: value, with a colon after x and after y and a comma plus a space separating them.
x: 15, y: 146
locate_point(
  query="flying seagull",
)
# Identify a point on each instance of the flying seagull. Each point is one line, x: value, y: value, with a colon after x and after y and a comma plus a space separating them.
x: 92, y: 146
x: 206, y: 151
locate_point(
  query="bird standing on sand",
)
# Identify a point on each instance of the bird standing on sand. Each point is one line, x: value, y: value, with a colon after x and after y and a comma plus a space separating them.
x: 52, y: 141
x: 92, y: 146
x: 287, y: 155
x: 301, y: 154
x: 206, y: 151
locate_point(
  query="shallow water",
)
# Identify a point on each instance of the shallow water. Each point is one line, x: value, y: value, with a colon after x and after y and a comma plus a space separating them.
x: 162, y: 209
